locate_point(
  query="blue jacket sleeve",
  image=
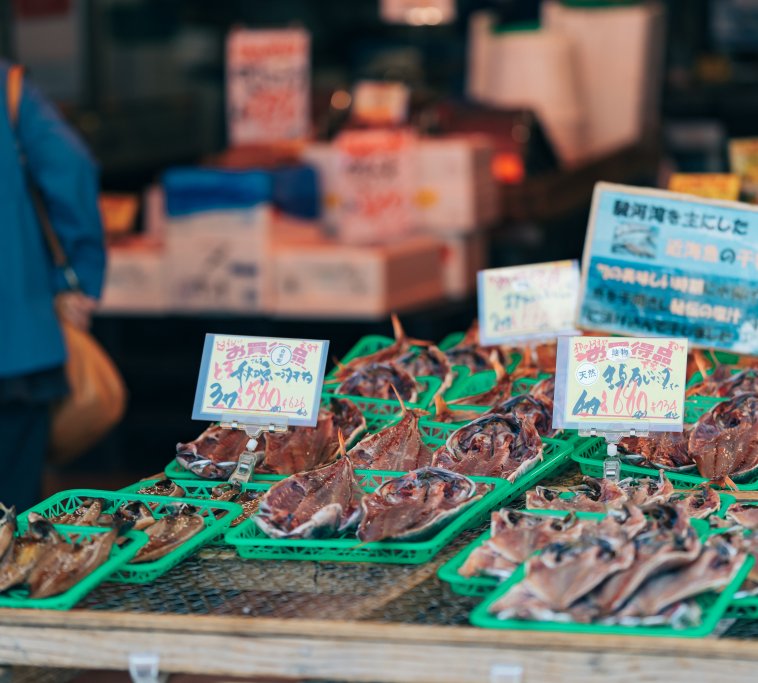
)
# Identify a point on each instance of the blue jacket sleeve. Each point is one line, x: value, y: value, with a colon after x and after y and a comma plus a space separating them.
x: 67, y: 177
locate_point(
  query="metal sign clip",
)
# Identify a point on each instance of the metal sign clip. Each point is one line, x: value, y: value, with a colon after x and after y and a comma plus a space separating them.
x: 250, y: 457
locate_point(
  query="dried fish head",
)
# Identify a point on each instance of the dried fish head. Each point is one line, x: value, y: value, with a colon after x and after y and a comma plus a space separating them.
x: 415, y: 505
x: 315, y: 504
x: 26, y: 550
x: 724, y: 442
x: 647, y: 492
x: 700, y: 503
x: 214, y: 454
x: 7, y: 528
x: 538, y: 410
x: 428, y: 361
x: 134, y: 515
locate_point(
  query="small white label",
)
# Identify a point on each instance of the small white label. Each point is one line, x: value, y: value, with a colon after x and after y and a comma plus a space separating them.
x: 586, y: 374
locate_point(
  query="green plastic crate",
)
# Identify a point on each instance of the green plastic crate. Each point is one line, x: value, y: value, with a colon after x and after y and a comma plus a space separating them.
x: 144, y: 572
x: 119, y: 556
x: 479, y: 586
x: 252, y: 543
x: 479, y: 382
x: 714, y: 608
x: 746, y: 607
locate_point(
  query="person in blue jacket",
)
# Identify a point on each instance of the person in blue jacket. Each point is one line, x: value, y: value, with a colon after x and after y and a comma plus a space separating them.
x: 32, y: 292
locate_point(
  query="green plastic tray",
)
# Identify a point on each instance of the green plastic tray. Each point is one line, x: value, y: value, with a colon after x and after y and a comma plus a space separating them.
x: 747, y: 607
x: 479, y: 382
x: 144, y: 572
x: 252, y: 543
x: 714, y: 608
x: 119, y: 556
x: 479, y: 586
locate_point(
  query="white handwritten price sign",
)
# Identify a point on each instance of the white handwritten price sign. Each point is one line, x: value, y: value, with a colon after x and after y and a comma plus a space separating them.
x: 620, y: 383
x: 527, y: 303
x: 260, y: 380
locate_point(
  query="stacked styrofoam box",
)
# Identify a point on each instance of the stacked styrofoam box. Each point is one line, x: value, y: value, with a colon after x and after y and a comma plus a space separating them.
x: 135, y: 279
x: 619, y: 57
x: 219, y: 260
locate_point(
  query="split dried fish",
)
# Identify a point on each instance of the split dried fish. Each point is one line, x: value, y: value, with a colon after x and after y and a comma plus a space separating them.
x: 428, y: 361
x: 592, y: 495
x: 699, y: 504
x: 315, y: 504
x: 214, y: 454
x: 415, y: 505
x: 662, y: 450
x: 469, y: 353
x: 169, y: 532
x: 164, y: 487
x: 745, y: 515
x: 501, y: 390
x: 134, y: 515
x: 493, y: 445
x: 396, y: 448
x: 724, y: 442
x: 63, y: 565
x: 25, y: 551
x: 379, y: 380
x: 7, y: 528
x: 538, y: 409
x: 647, y: 492
x: 87, y: 514
x: 721, y: 381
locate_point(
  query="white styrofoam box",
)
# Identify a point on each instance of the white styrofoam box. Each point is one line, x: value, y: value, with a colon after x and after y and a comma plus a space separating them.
x: 135, y: 279
x: 619, y: 57
x: 267, y: 85
x: 323, y: 157
x: 456, y: 191
x: 463, y: 257
x: 341, y: 281
x: 220, y: 260
x: 154, y: 211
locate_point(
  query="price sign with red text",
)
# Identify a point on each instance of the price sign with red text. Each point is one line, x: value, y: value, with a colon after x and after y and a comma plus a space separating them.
x: 260, y: 380
x: 620, y: 383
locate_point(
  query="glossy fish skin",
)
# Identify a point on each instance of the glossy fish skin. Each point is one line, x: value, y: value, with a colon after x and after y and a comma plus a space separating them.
x: 698, y: 504
x: 724, y: 442
x: 134, y: 515
x: 314, y: 504
x: 493, y: 445
x: 25, y: 551
x: 164, y: 487
x: 168, y: 533
x: 65, y: 564
x: 592, y: 495
x: 428, y: 361
x: 376, y: 381
x: 396, y: 448
x: 745, y: 515
x: 87, y: 514
x: 7, y: 528
x: 306, y: 448
x: 415, y: 505
x: 214, y: 454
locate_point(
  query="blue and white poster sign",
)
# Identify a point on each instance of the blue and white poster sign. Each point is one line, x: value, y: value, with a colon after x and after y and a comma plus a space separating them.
x: 659, y: 263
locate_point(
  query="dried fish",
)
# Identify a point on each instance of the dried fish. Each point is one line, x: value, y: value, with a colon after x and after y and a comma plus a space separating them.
x: 134, y: 515
x: 250, y: 502
x: 307, y: 448
x: 428, y: 361
x: 314, y: 504
x: 415, y: 505
x: 7, y: 528
x: 647, y: 492
x: 164, y: 487
x: 214, y: 454
x: 445, y: 413
x: 501, y: 390
x: 169, y: 532
x: 25, y: 551
x: 492, y: 445
x: 378, y: 380
x: 592, y: 495
x: 745, y: 515
x: 721, y: 381
x: 396, y: 448
x: 469, y: 354
x: 87, y: 514
x: 537, y: 409
x: 700, y: 503
x: 724, y: 442
x: 64, y: 564
x: 662, y: 450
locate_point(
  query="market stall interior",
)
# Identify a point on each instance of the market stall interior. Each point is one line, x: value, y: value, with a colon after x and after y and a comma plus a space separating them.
x: 427, y: 346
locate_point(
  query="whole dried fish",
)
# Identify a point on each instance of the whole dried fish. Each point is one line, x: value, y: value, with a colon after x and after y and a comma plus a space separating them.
x: 7, y: 528
x: 315, y: 504
x: 493, y: 445
x: 415, y: 505
x: 647, y: 492
x: 25, y: 551
x: 64, y: 564
x: 700, y: 503
x: 428, y: 361
x: 164, y: 487
x: 501, y: 390
x: 724, y: 442
x: 87, y: 514
x: 396, y: 448
x: 661, y: 450
x: 307, y: 448
x: 377, y: 380
x: 745, y: 515
x: 592, y: 495
x: 134, y: 515
x: 214, y: 454
x: 514, y: 536
x: 169, y: 532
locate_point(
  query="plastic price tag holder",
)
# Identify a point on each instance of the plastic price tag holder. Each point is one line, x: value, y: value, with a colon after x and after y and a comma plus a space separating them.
x: 614, y: 387
x: 532, y: 303
x: 259, y: 384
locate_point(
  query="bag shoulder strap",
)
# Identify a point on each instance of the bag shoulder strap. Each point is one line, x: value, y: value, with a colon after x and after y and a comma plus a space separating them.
x: 14, y: 90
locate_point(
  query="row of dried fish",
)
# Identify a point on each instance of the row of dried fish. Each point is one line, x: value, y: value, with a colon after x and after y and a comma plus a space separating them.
x: 722, y: 445
x: 42, y: 560
x: 600, y: 495
x: 216, y: 452
x: 329, y: 501
x: 629, y: 570
x: 724, y: 381
x: 166, y: 533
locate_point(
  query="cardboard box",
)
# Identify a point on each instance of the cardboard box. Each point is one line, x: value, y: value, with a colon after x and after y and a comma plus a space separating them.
x: 463, y: 257
x: 135, y: 279
x: 339, y: 281
x: 219, y: 261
